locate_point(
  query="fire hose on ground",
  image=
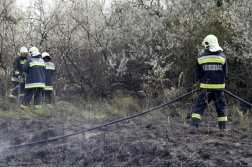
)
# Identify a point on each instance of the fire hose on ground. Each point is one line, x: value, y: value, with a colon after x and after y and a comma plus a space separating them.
x: 119, y: 120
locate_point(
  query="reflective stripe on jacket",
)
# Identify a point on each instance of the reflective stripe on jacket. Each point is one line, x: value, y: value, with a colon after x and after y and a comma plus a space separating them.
x: 35, y: 70
x: 211, y: 68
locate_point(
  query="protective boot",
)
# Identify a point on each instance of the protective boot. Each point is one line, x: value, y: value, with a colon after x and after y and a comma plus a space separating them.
x: 192, y: 129
x: 222, y: 126
x: 12, y: 100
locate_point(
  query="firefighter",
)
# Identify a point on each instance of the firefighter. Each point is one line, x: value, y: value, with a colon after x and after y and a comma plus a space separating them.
x: 35, y: 79
x: 49, y: 70
x: 211, y: 68
x: 17, y: 72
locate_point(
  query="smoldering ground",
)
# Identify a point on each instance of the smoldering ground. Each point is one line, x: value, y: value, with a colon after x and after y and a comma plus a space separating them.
x: 135, y: 142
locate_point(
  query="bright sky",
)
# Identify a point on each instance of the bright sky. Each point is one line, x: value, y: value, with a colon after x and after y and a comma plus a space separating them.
x: 25, y: 3
x: 22, y: 3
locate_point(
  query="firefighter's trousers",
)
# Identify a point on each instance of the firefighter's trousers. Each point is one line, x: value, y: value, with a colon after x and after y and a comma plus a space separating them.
x: 205, y: 97
x: 28, y: 96
x: 47, y: 95
x: 14, y: 93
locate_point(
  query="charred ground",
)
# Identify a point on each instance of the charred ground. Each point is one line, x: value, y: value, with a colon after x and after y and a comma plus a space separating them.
x: 133, y: 142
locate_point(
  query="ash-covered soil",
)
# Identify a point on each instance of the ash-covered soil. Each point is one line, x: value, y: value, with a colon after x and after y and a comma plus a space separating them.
x: 131, y: 143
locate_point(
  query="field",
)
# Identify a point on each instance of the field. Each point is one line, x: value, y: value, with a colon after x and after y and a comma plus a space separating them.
x: 152, y: 140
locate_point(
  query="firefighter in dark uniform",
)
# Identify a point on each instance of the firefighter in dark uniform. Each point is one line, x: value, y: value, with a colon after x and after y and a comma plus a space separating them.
x: 211, y: 68
x: 35, y: 78
x: 17, y: 72
x: 49, y: 70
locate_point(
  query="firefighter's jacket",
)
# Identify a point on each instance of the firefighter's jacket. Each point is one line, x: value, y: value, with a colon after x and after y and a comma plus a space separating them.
x: 49, y: 70
x: 211, y: 68
x: 35, y: 72
x: 18, y: 63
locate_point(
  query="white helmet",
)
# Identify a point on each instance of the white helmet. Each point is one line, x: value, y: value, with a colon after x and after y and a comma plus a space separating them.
x: 33, y: 51
x: 211, y: 43
x: 45, y: 54
x: 23, y: 50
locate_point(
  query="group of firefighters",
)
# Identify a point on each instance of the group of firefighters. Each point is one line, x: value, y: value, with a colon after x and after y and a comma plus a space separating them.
x: 33, y: 76
x: 210, y: 67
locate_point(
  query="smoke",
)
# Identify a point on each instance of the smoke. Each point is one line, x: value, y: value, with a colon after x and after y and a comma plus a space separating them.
x: 87, y: 136
x: 3, y: 145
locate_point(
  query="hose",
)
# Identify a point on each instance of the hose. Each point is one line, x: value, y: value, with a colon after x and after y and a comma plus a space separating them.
x: 109, y: 123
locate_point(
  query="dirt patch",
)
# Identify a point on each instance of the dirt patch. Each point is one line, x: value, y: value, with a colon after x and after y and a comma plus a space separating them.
x: 128, y: 143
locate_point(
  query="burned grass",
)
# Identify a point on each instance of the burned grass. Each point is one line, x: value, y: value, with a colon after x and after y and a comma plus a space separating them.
x: 134, y: 142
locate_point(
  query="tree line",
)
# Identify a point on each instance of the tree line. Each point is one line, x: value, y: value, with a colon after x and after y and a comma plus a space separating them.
x: 143, y: 47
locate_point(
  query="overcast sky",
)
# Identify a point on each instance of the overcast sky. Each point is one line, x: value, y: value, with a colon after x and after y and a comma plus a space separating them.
x: 25, y: 3
x: 22, y: 3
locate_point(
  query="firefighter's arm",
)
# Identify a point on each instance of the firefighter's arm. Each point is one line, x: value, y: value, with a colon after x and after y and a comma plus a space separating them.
x: 26, y: 66
x: 15, y: 68
x: 197, y: 70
